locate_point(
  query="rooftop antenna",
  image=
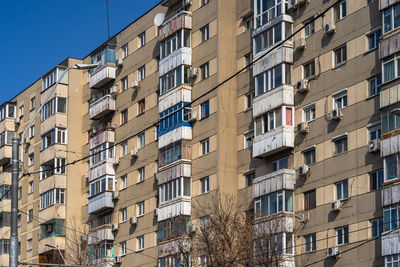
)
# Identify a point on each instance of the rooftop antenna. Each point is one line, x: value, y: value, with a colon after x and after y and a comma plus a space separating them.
x: 108, y: 23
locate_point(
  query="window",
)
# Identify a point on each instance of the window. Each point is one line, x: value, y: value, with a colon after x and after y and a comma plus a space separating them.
x: 342, y: 190
x: 267, y: 10
x: 249, y: 178
x: 4, y: 246
x: 310, y: 242
x: 310, y: 200
x: 340, y: 55
x: 390, y: 167
x: 374, y: 132
x: 124, y: 116
x: 123, y: 215
x: 174, y: 42
x: 205, y: 109
x: 101, y: 185
x: 142, y: 73
x: 376, y: 179
x: 339, y: 11
x: 31, y: 159
x: 273, y: 203
x: 53, y: 76
x: 309, y: 156
x: 205, y: 33
x: 33, y: 103
x: 124, y: 181
x: 140, y: 241
x: 55, y: 136
x: 174, y: 117
x: 390, y: 67
x: 204, y: 71
x: 52, y: 197
x: 30, y: 187
x: 390, y: 217
x: 391, y: 18
x: 29, y: 245
x: 124, y: 148
x: 249, y: 60
x: 174, y: 189
x: 29, y: 216
x: 392, y: 260
x: 248, y: 139
x: 340, y: 100
x: 55, y: 105
x: 374, y: 85
x: 21, y: 111
x: 309, y: 113
x: 342, y: 235
x: 141, y: 106
x: 142, y: 140
x: 249, y: 100
x: 123, y: 248
x: 280, y: 164
x: 141, y: 174
x: 309, y: 29
x: 376, y: 227
x: 5, y: 191
x: 205, y: 146
x: 273, y: 78
x: 7, y: 111
x: 173, y: 152
x: 174, y: 78
x: 309, y: 69
x: 19, y: 220
x: 272, y: 36
x: 6, y: 138
x: 100, y: 153
x: 51, y: 167
x: 102, y: 56
x: 205, y: 185
x: 373, y: 39
x: 140, y: 207
x: 142, y: 39
x: 125, y: 51
x: 390, y: 121
x: 124, y: 83
x: 32, y: 131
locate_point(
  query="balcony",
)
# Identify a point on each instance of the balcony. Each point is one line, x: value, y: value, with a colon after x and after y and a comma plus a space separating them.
x: 103, y: 75
x: 283, y: 54
x: 180, y: 170
x: 102, y: 107
x: 104, y: 168
x: 56, y: 120
x: 54, y: 181
x: 102, y: 137
x: 48, y: 155
x: 57, y: 241
x: 57, y: 211
x: 278, y: 224
x: 5, y: 178
x: 100, y: 233
x: 5, y: 154
x: 181, y: 56
x: 391, y: 243
x: 283, y: 95
x: 173, y: 208
x: 8, y: 124
x: 389, y: 45
x: 385, y: 4
x: 101, y: 202
x: 182, y: 132
x: 272, y: 182
x: 182, y: 20
x: 391, y: 194
x: 273, y: 141
x: 390, y: 145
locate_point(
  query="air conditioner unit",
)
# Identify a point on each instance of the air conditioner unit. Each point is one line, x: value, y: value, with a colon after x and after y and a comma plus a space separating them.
x: 17, y: 120
x: 116, y: 161
x: 303, y: 170
x: 194, y: 72
x: 192, y: 116
x: 117, y: 259
x: 302, y: 86
x: 295, y: 3
x: 134, y: 152
x: 120, y: 62
x: 135, y: 84
x: 336, y: 114
x: 337, y: 205
x: 302, y: 127
x: 332, y: 252
x: 374, y: 146
x: 133, y: 220
x: 114, y: 227
x: 300, y: 44
x: 115, y: 195
x: 329, y: 28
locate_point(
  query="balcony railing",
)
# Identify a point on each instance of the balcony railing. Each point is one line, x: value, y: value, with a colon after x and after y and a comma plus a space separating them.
x: 273, y: 141
x: 177, y: 22
x: 103, y: 75
x: 102, y: 107
x: 101, y: 202
x: 100, y: 233
x: 107, y: 135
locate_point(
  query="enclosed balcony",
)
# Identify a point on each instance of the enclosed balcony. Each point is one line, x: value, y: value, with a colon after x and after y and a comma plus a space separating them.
x: 106, y: 167
x: 8, y: 124
x: 101, y: 202
x: 100, y: 233
x: 102, y: 253
x: 5, y: 146
x: 55, y: 241
x: 182, y: 20
x: 174, y: 153
x: 283, y: 54
x: 106, y: 71
x: 102, y: 107
x: 273, y: 141
x: 283, y: 95
x: 391, y: 243
x: 275, y: 181
x: 183, y: 56
x: 108, y: 135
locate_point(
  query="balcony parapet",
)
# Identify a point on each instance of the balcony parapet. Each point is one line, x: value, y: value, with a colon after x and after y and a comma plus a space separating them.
x: 273, y: 141
x: 103, y: 75
x: 177, y: 22
x: 102, y: 107
x: 100, y: 233
x: 101, y: 202
x: 272, y: 182
x: 283, y: 95
x: 107, y: 135
x: 182, y: 56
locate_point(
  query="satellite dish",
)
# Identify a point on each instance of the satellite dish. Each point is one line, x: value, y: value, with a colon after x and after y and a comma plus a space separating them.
x: 159, y: 19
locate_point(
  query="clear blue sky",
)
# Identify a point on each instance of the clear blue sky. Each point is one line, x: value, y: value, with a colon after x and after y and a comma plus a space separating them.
x: 35, y: 35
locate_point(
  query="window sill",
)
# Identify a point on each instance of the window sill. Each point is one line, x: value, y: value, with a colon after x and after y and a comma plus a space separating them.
x: 372, y: 96
x: 339, y: 65
x: 139, y: 250
x: 339, y: 154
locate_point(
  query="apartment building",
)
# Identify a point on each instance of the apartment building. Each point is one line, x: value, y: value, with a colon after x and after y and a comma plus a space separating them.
x: 295, y: 139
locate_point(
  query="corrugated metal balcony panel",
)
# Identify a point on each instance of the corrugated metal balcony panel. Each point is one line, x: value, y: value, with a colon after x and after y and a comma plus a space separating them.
x: 390, y: 145
x: 182, y: 93
x: 102, y: 137
x: 391, y: 194
x: 183, y: 132
x: 389, y: 45
x: 283, y: 54
x: 182, y: 20
x: 386, y: 3
x: 391, y: 243
x: 179, y: 57
x: 179, y: 170
x: 101, y: 169
x: 273, y: 141
x: 102, y: 76
x: 272, y: 182
x: 101, y: 202
x: 100, y: 233
x: 181, y: 206
x: 283, y: 95
x: 102, y: 107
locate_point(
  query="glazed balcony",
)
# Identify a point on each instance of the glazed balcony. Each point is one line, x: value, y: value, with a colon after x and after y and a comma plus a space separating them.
x: 8, y: 124
x: 172, y: 173
x: 102, y: 107
x: 283, y: 95
x: 103, y: 75
x: 106, y: 167
x: 175, y: 207
x: 275, y: 181
x: 273, y: 141
x: 101, y: 202
x: 102, y: 137
x: 103, y: 232
x: 182, y: 20
x: 179, y: 57
x: 5, y: 154
x: 283, y: 54
x: 182, y: 93
x: 390, y: 242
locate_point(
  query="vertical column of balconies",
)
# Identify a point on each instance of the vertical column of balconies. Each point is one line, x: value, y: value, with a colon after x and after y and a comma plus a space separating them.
x: 175, y: 130
x: 390, y: 129
x: 273, y: 115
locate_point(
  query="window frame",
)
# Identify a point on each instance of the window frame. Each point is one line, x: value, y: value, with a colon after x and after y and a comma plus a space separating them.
x: 142, y: 39
x: 140, y: 242
x: 140, y: 208
x: 312, y: 160
x: 310, y: 240
x: 123, y: 215
x: 342, y: 190
x: 205, y: 185
x: 205, y: 33
x: 205, y: 146
x: 309, y: 64
x: 342, y: 233
x: 373, y: 35
x: 309, y: 108
x: 343, y: 55
x: 340, y: 11
x: 376, y: 88
x: 141, y: 174
x: 310, y: 199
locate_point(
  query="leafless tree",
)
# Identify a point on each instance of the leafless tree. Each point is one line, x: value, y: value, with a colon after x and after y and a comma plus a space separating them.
x: 76, y: 244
